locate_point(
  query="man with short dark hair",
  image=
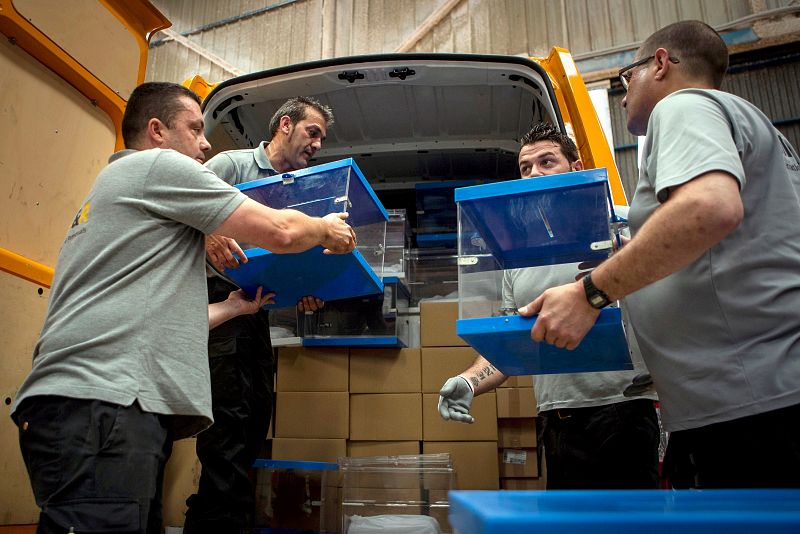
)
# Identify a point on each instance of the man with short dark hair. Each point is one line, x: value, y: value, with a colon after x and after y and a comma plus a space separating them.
x: 594, y: 436
x: 711, y: 273
x: 240, y: 351
x: 119, y: 371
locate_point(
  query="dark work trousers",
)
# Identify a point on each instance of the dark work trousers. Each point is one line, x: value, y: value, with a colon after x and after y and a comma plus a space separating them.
x: 758, y: 451
x: 602, y: 447
x: 94, y: 466
x: 240, y: 359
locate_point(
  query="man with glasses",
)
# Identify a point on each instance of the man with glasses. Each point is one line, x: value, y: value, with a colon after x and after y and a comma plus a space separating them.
x: 711, y: 273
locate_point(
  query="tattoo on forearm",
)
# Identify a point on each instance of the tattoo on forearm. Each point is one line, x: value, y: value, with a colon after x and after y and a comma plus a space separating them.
x: 483, y: 374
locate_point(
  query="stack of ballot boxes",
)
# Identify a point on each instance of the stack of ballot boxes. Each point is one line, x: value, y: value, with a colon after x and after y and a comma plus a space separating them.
x: 518, y: 225
x: 377, y: 320
x: 317, y: 191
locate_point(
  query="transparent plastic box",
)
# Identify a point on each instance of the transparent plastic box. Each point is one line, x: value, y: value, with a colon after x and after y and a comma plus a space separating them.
x: 521, y: 224
x: 385, y: 486
x: 333, y: 187
x: 296, y: 496
x: 432, y: 273
x: 395, y: 261
x: 369, y: 321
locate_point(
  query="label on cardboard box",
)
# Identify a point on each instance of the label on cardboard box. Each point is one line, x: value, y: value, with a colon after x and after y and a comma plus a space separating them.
x: 512, y: 456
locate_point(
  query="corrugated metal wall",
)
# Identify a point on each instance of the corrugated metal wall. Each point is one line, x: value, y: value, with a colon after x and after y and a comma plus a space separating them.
x: 253, y: 35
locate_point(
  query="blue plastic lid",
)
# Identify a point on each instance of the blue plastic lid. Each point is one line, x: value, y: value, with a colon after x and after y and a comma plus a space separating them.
x: 263, y: 463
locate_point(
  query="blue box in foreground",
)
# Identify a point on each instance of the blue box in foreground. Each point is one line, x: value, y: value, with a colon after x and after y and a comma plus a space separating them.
x: 625, y: 511
x: 506, y: 342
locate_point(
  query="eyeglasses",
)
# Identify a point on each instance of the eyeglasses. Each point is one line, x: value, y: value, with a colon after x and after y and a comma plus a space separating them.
x: 625, y: 73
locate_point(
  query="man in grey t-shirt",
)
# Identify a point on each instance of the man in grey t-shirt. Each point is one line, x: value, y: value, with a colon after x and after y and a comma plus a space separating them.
x: 593, y: 435
x: 119, y: 371
x: 711, y: 271
x: 240, y: 351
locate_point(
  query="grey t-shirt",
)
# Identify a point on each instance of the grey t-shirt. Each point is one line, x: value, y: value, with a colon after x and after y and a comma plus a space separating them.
x: 241, y: 166
x: 127, y: 318
x: 574, y: 390
x: 722, y: 336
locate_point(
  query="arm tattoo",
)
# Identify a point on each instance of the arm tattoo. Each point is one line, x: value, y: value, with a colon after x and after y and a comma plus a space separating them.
x: 474, y: 381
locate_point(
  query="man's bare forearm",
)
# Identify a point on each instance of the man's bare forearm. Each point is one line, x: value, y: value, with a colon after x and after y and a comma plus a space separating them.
x: 697, y: 216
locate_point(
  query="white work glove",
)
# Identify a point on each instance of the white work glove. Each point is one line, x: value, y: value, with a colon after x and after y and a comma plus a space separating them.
x: 455, y: 399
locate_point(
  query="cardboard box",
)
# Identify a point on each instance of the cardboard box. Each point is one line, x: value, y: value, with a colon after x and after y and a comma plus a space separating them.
x: 385, y: 371
x: 441, y: 363
x: 516, y: 402
x: 523, y: 484
x: 518, y: 463
x: 522, y: 381
x: 386, y: 416
x: 382, y: 448
x: 313, y: 369
x: 516, y: 433
x: 309, y: 450
x: 475, y: 462
x: 437, y: 324
x: 484, y: 410
x: 181, y: 478
x: 312, y: 414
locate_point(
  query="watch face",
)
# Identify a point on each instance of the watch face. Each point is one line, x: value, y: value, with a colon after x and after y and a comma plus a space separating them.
x: 597, y: 300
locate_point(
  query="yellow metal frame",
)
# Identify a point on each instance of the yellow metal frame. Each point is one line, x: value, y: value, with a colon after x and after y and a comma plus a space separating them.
x: 578, y: 112
x: 142, y: 19
x: 199, y: 86
x: 25, y: 268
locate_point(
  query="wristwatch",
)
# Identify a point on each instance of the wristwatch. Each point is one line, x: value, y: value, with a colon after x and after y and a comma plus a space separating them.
x: 596, y: 297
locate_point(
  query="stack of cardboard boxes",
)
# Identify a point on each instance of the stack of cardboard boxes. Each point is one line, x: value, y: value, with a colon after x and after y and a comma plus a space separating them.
x: 473, y: 448
x: 333, y: 402
x: 312, y: 401
x: 516, y: 435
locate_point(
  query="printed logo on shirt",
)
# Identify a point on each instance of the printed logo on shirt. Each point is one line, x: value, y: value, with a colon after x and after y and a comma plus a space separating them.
x: 82, y: 215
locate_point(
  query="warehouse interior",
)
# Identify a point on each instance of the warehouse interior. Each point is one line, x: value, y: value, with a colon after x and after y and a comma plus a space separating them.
x: 428, y: 96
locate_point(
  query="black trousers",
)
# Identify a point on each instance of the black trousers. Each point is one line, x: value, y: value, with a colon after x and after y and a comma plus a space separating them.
x: 614, y: 446
x: 94, y: 466
x: 758, y: 451
x: 241, y: 364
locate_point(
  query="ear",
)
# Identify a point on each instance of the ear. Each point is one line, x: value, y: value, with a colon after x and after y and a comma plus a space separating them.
x: 662, y: 62
x: 285, y: 124
x: 577, y: 165
x: 155, y: 132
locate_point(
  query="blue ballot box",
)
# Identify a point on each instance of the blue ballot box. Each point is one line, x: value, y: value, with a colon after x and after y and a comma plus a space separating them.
x: 507, y: 227
x: 368, y: 321
x: 625, y: 511
x: 333, y: 187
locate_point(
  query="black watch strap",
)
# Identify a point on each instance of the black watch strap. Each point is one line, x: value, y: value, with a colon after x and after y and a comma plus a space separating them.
x: 596, y: 297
